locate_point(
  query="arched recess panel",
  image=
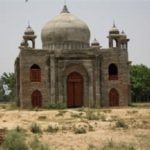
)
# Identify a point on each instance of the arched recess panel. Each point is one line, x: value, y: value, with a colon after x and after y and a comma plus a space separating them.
x: 113, y: 72
x: 113, y: 97
x: 36, y: 99
x: 35, y: 73
x: 75, y: 90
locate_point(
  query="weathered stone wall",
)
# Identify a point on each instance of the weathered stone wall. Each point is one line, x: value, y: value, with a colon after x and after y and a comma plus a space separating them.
x: 92, y: 64
x: 120, y: 58
x: 81, y: 62
x: 27, y: 59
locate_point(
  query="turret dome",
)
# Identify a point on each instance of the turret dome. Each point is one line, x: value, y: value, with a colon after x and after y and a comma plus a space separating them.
x: 114, y: 30
x: 65, y: 31
x: 29, y: 31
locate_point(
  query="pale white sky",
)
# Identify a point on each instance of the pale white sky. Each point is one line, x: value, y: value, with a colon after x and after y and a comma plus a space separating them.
x: 133, y: 16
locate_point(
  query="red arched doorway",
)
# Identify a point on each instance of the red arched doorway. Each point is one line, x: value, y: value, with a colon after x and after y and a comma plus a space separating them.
x: 74, y: 90
x: 36, y: 99
x: 113, y: 97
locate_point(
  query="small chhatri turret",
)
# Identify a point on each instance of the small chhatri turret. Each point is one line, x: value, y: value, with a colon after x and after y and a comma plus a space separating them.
x: 95, y: 43
x: 28, y: 36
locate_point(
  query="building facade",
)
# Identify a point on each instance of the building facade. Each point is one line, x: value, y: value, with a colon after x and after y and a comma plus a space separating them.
x: 68, y: 69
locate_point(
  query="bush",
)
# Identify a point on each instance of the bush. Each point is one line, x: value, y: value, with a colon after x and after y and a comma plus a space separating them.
x: 61, y: 113
x: 79, y: 130
x: 14, y: 141
x: 19, y: 129
x: 35, y: 128
x: 42, y: 117
x: 52, y: 129
x: 120, y: 123
x: 117, y: 146
x: 37, y: 145
x: 58, y: 105
x: 102, y: 117
x: 91, y: 147
x: 91, y: 115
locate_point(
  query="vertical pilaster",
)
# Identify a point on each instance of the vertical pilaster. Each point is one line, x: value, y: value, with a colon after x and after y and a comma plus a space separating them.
x: 91, y: 86
x: 97, y: 82
x: 52, y: 77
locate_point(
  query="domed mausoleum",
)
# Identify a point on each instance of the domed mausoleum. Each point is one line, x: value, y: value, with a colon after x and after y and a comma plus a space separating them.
x: 70, y: 70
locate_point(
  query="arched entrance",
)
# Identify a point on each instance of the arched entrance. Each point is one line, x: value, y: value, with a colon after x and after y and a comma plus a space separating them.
x: 74, y: 90
x: 36, y: 99
x: 113, y: 97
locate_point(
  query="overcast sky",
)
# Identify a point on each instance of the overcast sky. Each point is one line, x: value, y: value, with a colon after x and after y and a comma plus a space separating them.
x: 132, y: 16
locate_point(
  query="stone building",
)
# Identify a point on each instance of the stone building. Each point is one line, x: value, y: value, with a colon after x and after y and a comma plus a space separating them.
x: 68, y: 69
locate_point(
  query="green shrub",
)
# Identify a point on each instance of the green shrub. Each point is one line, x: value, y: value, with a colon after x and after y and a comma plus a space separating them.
x: 14, y: 141
x: 37, y: 145
x: 61, y: 113
x: 107, y: 110
x: 52, y: 129
x: 102, y: 117
x: 92, y: 115
x: 35, y: 128
x: 79, y: 130
x: 91, y: 128
x: 117, y: 146
x: 120, y: 123
x: 76, y: 115
x: 132, y: 112
x: 58, y: 105
x: 42, y: 117
x: 91, y: 147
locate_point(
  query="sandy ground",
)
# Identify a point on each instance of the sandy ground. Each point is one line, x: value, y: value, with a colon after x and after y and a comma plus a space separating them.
x: 99, y: 131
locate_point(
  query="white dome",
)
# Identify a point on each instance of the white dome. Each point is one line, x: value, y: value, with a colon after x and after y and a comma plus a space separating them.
x: 65, y: 29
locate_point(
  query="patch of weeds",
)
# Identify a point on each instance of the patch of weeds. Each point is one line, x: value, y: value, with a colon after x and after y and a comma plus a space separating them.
x: 117, y: 146
x: 42, y: 117
x: 80, y: 130
x: 52, y: 129
x: 19, y: 129
x: 3, y: 106
x: 35, y: 128
x: 37, y: 145
x: 120, y: 123
x: 76, y: 115
x: 91, y: 115
x: 91, y: 128
x: 132, y: 112
x: 114, y: 118
x: 61, y: 113
x: 81, y: 109
x: 64, y: 128
x: 107, y: 110
x: 12, y: 106
x: 15, y: 140
x: 102, y: 117
x: 57, y: 105
x: 91, y: 147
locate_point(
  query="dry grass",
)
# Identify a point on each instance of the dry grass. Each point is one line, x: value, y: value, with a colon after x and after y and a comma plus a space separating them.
x: 61, y: 129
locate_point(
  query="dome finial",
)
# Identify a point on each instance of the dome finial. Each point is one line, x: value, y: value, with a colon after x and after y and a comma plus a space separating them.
x: 114, y: 25
x: 29, y: 24
x: 65, y: 9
